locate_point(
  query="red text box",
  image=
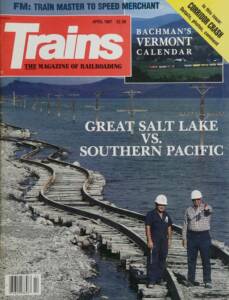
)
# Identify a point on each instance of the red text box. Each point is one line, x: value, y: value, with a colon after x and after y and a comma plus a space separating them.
x: 65, y: 45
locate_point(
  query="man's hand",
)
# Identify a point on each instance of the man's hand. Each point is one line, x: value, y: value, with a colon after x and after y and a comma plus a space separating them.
x: 206, y: 207
x: 169, y: 243
x: 184, y: 243
x: 150, y: 244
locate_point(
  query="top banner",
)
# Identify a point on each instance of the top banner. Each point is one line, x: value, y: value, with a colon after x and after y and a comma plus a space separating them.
x: 209, y: 19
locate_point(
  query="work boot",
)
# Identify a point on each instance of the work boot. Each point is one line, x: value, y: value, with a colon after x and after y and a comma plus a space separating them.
x: 161, y: 282
x: 208, y: 285
x: 189, y: 283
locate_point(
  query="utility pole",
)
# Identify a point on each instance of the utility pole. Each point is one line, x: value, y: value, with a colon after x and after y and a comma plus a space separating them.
x: 49, y: 105
x: 22, y: 101
x: 131, y: 110
x: 73, y: 106
x: 97, y: 106
x: 42, y: 105
x: 58, y: 105
x: 202, y: 89
x: 14, y: 99
x: 34, y: 106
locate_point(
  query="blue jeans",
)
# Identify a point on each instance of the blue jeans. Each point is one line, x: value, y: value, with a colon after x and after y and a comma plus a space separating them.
x: 156, y: 261
x: 199, y: 241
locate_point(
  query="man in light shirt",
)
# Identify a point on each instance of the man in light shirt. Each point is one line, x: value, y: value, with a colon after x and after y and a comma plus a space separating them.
x: 196, y: 237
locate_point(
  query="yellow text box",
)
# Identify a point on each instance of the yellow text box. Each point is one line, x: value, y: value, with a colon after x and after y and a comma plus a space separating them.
x: 209, y: 18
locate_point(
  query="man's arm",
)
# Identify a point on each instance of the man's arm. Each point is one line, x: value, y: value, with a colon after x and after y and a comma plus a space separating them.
x: 184, y: 230
x: 170, y: 233
x: 207, y: 209
x: 149, y: 237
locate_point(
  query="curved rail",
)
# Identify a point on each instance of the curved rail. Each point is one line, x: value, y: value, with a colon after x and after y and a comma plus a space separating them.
x: 174, y: 286
x: 216, y: 250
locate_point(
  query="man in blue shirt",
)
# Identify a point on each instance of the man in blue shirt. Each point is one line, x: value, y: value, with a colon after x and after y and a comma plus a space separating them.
x: 158, y: 233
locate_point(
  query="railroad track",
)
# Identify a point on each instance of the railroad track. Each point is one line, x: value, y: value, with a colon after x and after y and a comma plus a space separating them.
x: 65, y: 190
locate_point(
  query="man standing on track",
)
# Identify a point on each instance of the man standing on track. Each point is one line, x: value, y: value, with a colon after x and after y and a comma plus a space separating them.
x: 158, y: 233
x: 196, y: 234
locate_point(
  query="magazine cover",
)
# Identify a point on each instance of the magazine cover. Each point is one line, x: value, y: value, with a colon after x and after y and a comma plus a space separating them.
x: 114, y: 149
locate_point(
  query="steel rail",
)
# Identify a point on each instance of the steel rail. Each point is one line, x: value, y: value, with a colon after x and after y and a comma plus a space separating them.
x: 174, y: 287
x: 216, y: 249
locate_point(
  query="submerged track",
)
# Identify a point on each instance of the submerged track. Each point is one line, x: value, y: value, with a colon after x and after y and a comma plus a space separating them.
x: 64, y: 190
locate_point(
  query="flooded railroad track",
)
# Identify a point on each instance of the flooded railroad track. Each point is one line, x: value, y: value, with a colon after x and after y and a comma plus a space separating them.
x: 64, y: 190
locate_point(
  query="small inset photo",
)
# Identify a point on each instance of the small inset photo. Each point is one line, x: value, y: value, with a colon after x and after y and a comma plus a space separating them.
x: 165, y: 49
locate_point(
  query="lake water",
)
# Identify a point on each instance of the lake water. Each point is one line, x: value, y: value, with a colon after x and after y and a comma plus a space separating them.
x: 133, y: 182
x: 112, y: 279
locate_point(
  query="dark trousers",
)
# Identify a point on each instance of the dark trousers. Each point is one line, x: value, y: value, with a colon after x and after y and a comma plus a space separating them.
x: 156, y: 261
x: 199, y: 241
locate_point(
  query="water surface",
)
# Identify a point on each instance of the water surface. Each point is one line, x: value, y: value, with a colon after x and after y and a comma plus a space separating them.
x: 133, y: 182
